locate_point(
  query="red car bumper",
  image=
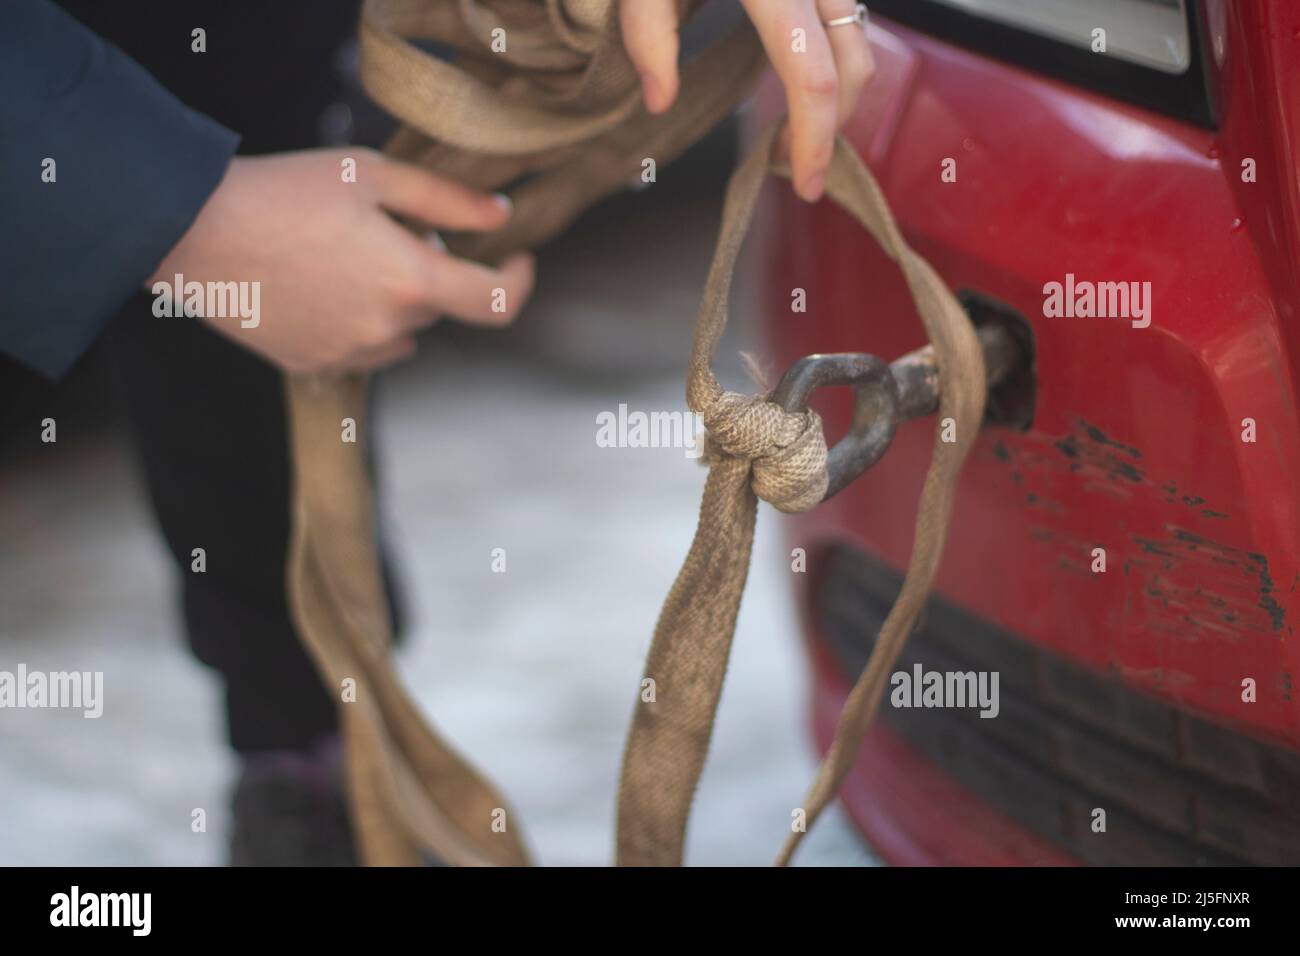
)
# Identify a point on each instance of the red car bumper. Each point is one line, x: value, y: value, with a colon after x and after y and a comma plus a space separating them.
x: 1136, y: 447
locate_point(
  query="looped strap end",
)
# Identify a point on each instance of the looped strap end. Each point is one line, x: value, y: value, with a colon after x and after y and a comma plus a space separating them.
x: 786, y: 450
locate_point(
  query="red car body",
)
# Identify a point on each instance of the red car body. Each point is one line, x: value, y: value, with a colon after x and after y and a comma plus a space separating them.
x: 1128, y: 685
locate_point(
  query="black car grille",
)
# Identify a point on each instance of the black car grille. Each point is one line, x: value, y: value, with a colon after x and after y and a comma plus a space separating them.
x: 1177, y: 790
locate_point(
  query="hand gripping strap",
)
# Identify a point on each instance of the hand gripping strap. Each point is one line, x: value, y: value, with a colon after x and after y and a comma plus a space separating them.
x: 557, y: 102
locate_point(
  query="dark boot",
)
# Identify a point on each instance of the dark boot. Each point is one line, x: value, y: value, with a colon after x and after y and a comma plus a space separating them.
x: 289, y: 810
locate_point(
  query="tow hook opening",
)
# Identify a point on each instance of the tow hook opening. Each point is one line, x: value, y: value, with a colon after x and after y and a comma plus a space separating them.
x: 1011, y: 400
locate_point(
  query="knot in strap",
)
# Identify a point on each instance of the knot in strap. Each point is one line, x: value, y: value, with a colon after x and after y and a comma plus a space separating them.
x: 787, y: 450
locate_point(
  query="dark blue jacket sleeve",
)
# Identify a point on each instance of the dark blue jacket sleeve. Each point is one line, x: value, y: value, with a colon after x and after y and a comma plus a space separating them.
x: 132, y: 168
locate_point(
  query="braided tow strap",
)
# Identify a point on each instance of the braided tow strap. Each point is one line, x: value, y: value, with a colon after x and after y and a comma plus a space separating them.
x: 758, y: 450
x: 542, y: 101
x: 556, y: 116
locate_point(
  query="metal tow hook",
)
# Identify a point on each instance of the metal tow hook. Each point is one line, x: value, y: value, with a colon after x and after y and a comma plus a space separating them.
x: 883, y: 395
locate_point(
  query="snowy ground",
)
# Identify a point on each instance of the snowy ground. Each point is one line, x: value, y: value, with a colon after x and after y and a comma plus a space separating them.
x: 534, y: 672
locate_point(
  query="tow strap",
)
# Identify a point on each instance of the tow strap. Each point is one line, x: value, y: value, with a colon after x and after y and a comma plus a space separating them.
x: 543, y: 90
x: 758, y: 449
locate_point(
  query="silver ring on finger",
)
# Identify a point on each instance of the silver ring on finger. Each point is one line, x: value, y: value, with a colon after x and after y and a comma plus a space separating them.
x: 858, y: 16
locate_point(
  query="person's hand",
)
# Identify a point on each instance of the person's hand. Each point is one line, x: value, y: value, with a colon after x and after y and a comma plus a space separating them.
x: 822, y: 83
x: 343, y: 286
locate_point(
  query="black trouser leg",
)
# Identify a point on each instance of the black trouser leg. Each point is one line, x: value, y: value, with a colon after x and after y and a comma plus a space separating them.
x: 209, y: 421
